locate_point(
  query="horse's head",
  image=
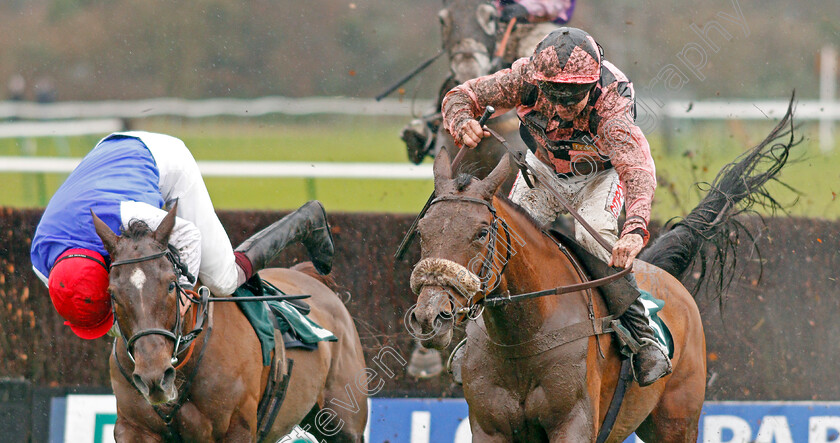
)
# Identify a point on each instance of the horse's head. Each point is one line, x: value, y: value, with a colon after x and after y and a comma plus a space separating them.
x: 468, y: 29
x: 143, y: 287
x: 456, y: 237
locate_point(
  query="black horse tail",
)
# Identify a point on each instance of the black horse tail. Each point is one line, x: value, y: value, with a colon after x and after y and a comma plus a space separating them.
x: 711, y: 230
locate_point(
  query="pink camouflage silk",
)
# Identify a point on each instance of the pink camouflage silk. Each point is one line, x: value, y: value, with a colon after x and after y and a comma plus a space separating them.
x: 548, y: 10
x: 617, y: 137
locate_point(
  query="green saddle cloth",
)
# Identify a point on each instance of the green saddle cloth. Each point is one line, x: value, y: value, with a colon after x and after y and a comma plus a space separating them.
x: 660, y: 330
x: 287, y: 317
x: 652, y: 306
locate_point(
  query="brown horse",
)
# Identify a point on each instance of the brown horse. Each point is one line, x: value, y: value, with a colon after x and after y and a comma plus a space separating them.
x: 521, y: 382
x: 327, y: 389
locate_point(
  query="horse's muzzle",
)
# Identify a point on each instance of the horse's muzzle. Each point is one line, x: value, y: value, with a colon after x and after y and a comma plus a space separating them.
x: 157, y: 390
x: 431, y: 320
x: 153, y: 373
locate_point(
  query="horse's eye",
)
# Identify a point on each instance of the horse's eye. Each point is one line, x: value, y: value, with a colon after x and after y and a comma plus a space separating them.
x: 171, y: 286
x: 482, y: 233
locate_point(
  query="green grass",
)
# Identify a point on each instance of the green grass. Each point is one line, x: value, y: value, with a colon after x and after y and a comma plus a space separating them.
x: 702, y: 150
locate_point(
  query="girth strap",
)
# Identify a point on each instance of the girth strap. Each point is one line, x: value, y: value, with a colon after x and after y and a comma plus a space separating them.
x: 625, y: 376
x: 555, y: 339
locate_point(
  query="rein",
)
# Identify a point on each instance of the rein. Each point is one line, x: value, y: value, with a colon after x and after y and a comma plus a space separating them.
x: 499, y: 300
x: 500, y: 49
x: 183, y: 342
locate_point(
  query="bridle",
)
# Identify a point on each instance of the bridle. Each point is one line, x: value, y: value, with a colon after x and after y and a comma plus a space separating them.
x: 490, y: 254
x: 182, y: 341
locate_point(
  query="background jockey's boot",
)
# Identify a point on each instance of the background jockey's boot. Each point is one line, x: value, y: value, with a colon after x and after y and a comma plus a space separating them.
x: 651, y: 363
x: 308, y: 225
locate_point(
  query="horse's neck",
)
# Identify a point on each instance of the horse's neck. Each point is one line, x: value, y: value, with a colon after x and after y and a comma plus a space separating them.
x: 536, y: 265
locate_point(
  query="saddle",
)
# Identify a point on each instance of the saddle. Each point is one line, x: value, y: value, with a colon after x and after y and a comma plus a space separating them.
x: 618, y: 294
x: 279, y: 323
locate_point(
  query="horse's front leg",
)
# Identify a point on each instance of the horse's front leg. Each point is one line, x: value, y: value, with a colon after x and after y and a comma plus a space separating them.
x: 576, y: 427
x: 126, y: 432
x: 479, y: 436
x: 240, y: 430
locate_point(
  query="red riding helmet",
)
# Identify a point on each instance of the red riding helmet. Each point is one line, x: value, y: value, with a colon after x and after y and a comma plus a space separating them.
x: 567, y: 55
x: 78, y: 286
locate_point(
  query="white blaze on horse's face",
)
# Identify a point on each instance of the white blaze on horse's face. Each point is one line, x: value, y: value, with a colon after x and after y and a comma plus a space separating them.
x: 470, y: 59
x: 468, y: 33
x: 138, y: 279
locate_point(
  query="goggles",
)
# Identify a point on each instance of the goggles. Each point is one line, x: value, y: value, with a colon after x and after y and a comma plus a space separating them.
x: 565, y: 94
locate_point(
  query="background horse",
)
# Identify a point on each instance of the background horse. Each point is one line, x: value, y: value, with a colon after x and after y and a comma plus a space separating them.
x: 468, y: 34
x: 522, y: 380
x: 221, y: 401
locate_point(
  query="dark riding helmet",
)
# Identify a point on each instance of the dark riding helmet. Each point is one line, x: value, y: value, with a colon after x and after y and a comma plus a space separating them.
x: 568, y: 56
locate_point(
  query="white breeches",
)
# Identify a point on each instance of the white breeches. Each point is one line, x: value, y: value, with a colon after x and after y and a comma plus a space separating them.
x: 180, y: 179
x: 597, y: 197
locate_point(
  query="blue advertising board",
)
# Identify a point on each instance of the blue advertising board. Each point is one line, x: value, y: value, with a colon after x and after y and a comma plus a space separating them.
x: 423, y: 420
x: 445, y: 420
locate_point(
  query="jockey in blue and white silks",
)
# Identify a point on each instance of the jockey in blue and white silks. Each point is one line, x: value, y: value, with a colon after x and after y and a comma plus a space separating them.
x: 134, y: 176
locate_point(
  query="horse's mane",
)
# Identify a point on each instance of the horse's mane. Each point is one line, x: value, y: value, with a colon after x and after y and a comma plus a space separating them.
x: 136, y: 229
x: 522, y: 211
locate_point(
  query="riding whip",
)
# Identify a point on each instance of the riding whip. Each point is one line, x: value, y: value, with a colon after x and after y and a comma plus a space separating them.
x: 409, y: 76
x: 518, y: 157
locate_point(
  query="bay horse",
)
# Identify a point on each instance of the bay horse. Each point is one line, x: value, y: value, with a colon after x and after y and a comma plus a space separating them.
x: 521, y: 381
x: 219, y: 388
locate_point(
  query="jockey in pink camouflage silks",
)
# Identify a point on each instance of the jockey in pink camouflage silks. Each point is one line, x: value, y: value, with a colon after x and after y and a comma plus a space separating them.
x: 131, y: 176
x: 576, y: 114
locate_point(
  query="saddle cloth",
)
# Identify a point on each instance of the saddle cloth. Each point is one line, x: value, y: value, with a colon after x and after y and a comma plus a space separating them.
x: 298, y: 330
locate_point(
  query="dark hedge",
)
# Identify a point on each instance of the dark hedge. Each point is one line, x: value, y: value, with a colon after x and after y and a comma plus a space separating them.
x: 774, y: 340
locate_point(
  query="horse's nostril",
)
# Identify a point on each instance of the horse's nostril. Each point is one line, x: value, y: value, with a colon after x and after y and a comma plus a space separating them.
x: 140, y: 384
x: 413, y: 321
x: 168, y: 377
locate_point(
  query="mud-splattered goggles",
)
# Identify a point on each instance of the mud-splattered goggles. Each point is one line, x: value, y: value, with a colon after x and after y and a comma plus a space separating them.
x: 565, y: 94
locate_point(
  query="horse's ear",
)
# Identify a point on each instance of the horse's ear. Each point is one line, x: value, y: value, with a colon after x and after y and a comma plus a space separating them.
x: 491, y: 183
x: 109, y: 239
x: 442, y: 171
x: 164, y: 229
x: 486, y: 16
x: 445, y: 16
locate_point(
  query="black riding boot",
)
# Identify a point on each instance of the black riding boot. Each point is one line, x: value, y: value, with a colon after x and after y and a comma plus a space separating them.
x: 308, y: 225
x: 650, y: 363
